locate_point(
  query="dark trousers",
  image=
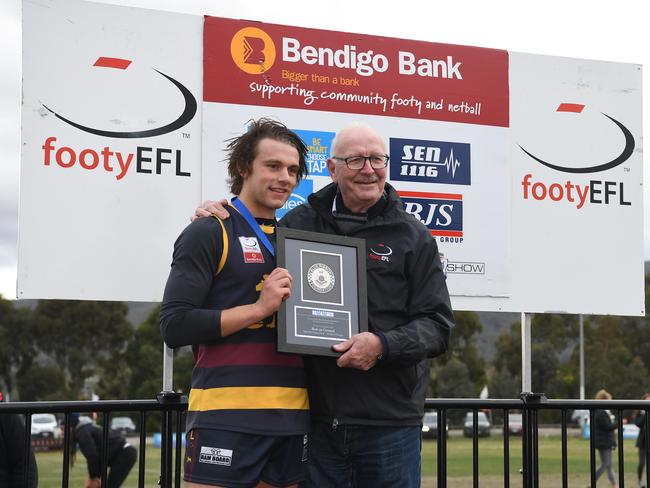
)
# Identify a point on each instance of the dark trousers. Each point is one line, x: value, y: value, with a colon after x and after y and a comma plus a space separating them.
x: 364, y: 457
x: 120, y: 466
x: 639, y: 469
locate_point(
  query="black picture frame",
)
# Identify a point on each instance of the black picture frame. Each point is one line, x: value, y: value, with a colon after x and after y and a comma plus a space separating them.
x: 328, y: 302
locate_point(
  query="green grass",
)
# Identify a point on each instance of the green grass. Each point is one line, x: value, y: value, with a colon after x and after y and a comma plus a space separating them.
x: 50, y: 469
x: 459, y: 464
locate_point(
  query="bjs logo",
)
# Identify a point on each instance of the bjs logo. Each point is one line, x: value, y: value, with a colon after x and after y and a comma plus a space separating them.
x: 430, y: 161
x: 442, y: 214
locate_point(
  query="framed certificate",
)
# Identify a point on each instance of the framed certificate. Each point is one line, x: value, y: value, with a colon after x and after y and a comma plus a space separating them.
x: 328, y: 301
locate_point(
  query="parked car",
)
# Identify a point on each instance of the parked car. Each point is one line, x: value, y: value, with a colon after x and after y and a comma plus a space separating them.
x: 630, y: 431
x: 515, y: 424
x: 124, y: 425
x: 484, y: 428
x: 45, y: 425
x: 580, y: 417
x: 430, y: 425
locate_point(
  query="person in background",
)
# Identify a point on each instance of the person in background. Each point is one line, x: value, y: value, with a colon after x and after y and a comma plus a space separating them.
x: 121, y: 454
x: 641, y: 420
x: 12, y: 462
x: 604, y: 439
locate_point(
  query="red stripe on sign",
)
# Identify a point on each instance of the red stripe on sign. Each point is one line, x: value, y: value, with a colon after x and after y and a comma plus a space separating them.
x: 424, y: 194
x: 447, y: 233
x: 570, y: 107
x: 117, y: 63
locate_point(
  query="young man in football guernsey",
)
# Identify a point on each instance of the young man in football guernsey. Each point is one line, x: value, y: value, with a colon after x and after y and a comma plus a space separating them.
x: 248, y: 408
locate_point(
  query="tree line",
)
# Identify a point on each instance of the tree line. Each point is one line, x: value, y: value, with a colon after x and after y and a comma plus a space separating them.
x: 66, y: 350
x: 69, y: 350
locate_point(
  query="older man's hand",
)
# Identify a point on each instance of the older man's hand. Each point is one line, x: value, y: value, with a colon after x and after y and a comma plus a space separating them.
x: 212, y: 207
x: 361, y: 351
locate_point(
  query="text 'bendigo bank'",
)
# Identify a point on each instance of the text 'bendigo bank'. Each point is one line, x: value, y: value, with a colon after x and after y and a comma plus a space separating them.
x: 366, y: 63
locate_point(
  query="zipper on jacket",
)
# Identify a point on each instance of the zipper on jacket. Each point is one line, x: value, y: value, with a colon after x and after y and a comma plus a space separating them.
x: 335, y: 423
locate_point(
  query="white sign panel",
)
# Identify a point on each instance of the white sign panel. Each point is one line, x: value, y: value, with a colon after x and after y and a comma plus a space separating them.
x: 111, y: 148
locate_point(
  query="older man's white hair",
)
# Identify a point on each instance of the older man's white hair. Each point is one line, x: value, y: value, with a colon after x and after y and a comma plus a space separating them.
x: 360, y: 126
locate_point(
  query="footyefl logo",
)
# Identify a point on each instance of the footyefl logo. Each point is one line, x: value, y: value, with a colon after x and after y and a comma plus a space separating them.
x: 183, y: 119
x: 622, y: 157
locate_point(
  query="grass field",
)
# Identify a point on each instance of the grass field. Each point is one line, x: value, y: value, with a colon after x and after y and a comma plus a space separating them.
x: 459, y: 464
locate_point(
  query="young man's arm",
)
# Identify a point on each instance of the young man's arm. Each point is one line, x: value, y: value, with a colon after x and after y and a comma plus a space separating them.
x: 275, y: 289
x: 183, y: 321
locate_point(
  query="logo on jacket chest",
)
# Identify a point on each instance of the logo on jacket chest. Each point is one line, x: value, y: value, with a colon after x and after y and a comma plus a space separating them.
x: 251, y: 250
x: 380, y: 252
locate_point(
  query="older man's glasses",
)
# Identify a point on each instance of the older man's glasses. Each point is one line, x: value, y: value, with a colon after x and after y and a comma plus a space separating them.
x: 377, y: 161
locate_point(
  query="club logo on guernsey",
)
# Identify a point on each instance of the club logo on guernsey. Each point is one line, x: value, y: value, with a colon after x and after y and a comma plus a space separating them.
x: 251, y: 250
x: 320, y: 278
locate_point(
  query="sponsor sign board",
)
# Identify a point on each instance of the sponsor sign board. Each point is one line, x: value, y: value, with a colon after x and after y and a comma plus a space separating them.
x: 430, y: 161
x: 271, y: 65
x: 526, y: 169
x: 111, y: 147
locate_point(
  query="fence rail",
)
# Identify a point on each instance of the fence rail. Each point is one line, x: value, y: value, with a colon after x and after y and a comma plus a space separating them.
x: 172, y: 406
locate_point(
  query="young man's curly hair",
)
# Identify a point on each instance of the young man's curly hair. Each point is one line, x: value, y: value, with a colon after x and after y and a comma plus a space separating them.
x: 242, y: 150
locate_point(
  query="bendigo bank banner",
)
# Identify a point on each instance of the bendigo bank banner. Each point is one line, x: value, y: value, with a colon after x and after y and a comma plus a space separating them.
x: 280, y: 66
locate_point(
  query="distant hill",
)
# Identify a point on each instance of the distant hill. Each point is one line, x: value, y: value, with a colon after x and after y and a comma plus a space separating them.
x: 138, y: 311
x: 493, y: 324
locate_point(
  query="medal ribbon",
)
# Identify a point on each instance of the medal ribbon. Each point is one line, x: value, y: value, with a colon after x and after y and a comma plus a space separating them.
x: 241, y: 208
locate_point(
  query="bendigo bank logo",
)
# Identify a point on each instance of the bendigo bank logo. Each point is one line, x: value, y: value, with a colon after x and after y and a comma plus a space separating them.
x: 441, y: 213
x: 430, y: 161
x: 252, y: 50
x: 147, y: 159
x: 596, y: 191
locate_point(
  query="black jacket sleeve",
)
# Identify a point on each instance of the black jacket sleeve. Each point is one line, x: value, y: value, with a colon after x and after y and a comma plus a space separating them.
x: 196, y: 257
x: 428, y: 330
x: 12, y: 463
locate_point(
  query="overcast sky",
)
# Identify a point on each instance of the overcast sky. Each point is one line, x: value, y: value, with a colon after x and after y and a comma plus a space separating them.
x: 610, y: 31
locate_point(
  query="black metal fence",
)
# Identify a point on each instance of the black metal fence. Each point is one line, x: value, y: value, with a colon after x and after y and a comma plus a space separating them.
x: 172, y: 406
x: 530, y: 406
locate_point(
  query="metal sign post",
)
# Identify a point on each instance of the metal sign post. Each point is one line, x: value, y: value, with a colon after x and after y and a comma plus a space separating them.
x: 582, y: 358
x: 525, y: 353
x: 168, y: 368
